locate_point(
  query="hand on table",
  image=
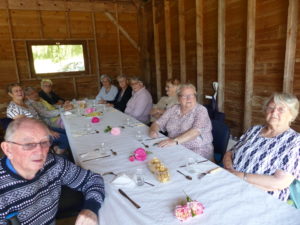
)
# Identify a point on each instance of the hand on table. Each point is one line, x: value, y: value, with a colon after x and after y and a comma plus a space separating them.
x: 86, y: 217
x: 166, y: 143
x: 153, y: 134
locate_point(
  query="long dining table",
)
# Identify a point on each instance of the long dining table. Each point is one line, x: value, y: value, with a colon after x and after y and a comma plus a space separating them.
x: 227, y: 199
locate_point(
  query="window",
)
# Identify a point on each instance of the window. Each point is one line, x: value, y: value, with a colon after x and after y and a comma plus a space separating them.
x: 57, y: 57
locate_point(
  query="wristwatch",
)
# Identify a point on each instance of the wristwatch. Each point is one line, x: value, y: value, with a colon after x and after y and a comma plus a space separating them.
x: 176, y: 141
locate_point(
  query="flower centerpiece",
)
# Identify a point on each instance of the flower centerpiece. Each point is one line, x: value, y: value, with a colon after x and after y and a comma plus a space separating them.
x: 190, y: 209
x: 139, y: 154
x: 112, y: 130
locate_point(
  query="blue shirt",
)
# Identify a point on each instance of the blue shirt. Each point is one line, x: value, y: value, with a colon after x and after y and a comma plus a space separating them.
x: 107, y: 96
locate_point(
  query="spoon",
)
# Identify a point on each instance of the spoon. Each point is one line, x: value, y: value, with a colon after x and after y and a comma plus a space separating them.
x: 107, y: 173
x: 146, y: 146
x: 208, y: 172
x: 186, y: 176
x: 113, y: 152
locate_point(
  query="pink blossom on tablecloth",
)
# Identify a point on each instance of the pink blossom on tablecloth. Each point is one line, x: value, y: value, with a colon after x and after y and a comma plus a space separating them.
x: 140, y: 154
x: 95, y: 120
x: 131, y: 158
x: 115, y: 131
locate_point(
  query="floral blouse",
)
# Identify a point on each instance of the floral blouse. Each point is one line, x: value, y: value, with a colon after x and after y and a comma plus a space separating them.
x: 176, y: 124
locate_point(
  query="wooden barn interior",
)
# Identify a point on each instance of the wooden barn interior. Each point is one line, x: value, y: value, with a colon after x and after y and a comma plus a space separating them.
x: 248, y: 47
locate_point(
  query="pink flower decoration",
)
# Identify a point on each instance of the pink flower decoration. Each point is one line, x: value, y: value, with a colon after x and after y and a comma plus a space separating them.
x: 115, y: 131
x: 89, y: 110
x: 95, y: 120
x: 140, y: 154
x: 131, y: 158
x: 196, y: 207
x: 182, y: 212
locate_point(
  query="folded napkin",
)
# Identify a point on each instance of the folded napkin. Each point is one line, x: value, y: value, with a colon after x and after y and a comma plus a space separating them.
x: 67, y: 113
x: 123, y: 180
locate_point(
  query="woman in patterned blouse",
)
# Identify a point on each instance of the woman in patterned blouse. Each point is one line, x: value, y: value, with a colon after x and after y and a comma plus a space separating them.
x: 267, y: 156
x: 187, y: 123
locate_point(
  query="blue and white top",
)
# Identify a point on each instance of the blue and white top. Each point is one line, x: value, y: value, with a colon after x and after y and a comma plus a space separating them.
x: 107, y: 96
x: 256, y: 154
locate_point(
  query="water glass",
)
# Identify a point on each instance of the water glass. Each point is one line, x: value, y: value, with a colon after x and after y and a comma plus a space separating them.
x: 127, y: 121
x: 88, y: 127
x: 94, y: 103
x: 191, y: 165
x: 102, y: 149
x: 139, y: 136
x: 139, y: 178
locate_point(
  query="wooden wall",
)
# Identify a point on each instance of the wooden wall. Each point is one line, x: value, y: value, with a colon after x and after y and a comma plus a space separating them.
x: 248, y: 70
x: 109, y: 27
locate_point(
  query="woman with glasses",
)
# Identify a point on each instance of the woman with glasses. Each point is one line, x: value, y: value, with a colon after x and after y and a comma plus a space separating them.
x: 267, y: 156
x: 187, y: 123
x: 48, y: 94
x: 17, y: 108
x: 108, y: 91
x: 166, y: 101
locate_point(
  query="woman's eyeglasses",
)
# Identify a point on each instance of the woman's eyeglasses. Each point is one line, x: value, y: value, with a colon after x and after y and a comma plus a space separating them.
x: 191, y: 96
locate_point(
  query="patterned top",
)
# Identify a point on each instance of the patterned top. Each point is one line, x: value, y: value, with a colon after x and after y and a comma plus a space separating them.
x: 36, y: 200
x: 140, y: 105
x: 175, y: 124
x: 256, y: 154
x: 14, y: 110
x: 164, y: 103
x: 107, y: 96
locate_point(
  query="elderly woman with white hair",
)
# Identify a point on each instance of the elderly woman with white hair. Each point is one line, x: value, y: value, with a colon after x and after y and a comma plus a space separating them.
x: 48, y: 94
x: 267, y: 156
x: 108, y: 91
x: 187, y: 123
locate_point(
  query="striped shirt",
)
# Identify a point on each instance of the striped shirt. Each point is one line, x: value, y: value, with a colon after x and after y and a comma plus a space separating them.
x: 36, y: 200
x: 256, y: 154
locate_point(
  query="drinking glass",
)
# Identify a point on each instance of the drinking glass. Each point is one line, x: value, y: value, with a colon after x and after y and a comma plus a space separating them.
x: 191, y: 165
x: 88, y: 127
x: 139, y: 178
x: 138, y: 135
x: 102, y: 149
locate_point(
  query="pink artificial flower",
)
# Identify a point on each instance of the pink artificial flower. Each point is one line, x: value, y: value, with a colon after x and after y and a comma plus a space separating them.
x: 89, y: 110
x: 140, y: 154
x: 195, y: 207
x: 182, y: 212
x: 131, y: 158
x: 95, y: 120
x: 115, y: 131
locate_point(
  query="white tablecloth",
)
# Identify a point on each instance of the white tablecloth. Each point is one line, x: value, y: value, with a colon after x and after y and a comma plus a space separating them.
x: 227, y: 199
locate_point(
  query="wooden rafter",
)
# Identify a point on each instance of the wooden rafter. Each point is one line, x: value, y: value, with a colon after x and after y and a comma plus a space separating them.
x: 199, y: 40
x: 123, y: 31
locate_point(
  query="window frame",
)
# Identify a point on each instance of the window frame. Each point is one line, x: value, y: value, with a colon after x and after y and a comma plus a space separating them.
x: 55, y: 42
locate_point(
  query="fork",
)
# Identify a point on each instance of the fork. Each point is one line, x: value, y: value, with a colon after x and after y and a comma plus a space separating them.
x: 113, y: 152
x: 186, y: 176
x: 146, y: 146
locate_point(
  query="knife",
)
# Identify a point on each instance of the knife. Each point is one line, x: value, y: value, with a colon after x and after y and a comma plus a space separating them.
x: 126, y: 196
x: 95, y: 158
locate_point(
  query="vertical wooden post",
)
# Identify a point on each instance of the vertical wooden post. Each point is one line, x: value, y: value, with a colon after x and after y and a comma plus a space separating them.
x: 11, y: 34
x: 119, y: 42
x: 221, y: 53
x: 251, y: 11
x: 168, y: 38
x: 199, y: 49
x: 181, y: 21
x: 157, y: 51
x: 75, y: 87
x: 290, y: 49
x: 96, y: 50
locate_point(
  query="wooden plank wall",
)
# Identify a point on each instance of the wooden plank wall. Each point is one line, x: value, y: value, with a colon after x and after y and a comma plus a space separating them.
x: 269, y: 47
x: 109, y: 27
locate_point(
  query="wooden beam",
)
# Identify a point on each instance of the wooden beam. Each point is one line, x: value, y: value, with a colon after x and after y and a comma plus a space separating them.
x: 123, y: 31
x: 75, y: 87
x: 119, y: 42
x: 251, y: 11
x: 137, y: 3
x: 156, y: 51
x: 199, y: 48
x: 11, y: 35
x: 291, y: 45
x: 221, y: 53
x: 182, y: 51
x: 96, y: 50
x: 168, y: 38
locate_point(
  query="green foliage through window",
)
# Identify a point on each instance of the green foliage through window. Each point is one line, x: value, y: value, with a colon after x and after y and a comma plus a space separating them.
x: 58, y: 58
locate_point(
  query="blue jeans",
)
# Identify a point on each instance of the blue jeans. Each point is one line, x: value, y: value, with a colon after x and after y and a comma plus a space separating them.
x: 62, y: 142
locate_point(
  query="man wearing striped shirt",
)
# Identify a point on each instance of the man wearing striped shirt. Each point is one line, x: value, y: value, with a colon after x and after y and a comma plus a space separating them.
x: 31, y: 179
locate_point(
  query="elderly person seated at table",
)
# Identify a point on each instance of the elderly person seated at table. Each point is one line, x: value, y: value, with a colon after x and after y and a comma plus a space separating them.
x: 267, y: 156
x: 47, y: 112
x: 166, y: 102
x: 31, y: 179
x: 17, y: 108
x: 140, y: 104
x: 48, y: 94
x: 187, y: 123
x: 108, y: 91
x: 124, y: 94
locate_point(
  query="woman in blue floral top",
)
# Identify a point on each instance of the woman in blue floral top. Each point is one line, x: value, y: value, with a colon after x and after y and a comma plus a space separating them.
x: 267, y: 156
